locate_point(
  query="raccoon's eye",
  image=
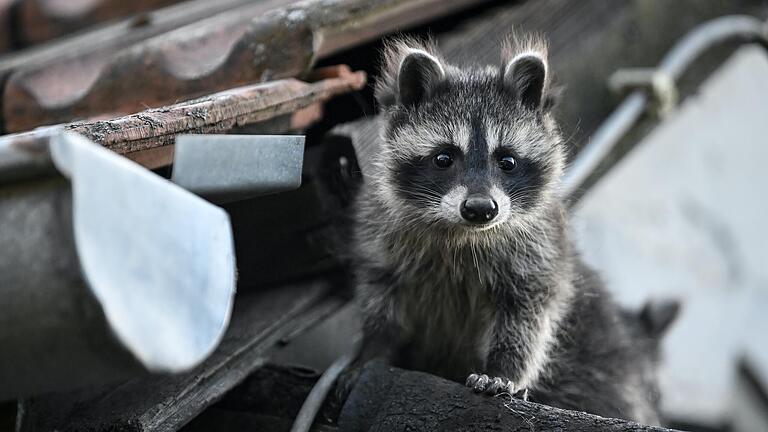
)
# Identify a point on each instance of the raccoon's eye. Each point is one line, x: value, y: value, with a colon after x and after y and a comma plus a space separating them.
x: 507, y: 163
x: 443, y: 160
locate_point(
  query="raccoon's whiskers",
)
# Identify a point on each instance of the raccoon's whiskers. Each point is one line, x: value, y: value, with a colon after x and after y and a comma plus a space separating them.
x: 477, y: 264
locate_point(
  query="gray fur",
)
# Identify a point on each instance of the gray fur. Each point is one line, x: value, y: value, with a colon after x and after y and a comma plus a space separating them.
x: 511, y: 299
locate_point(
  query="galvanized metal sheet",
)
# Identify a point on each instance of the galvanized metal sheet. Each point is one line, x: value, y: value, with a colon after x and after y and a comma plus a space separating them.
x: 159, y: 259
x: 106, y: 272
x: 684, y: 215
x: 229, y: 167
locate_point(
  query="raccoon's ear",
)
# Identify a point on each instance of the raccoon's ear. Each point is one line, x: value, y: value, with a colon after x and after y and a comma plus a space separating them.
x: 526, y: 76
x: 657, y: 315
x: 417, y: 75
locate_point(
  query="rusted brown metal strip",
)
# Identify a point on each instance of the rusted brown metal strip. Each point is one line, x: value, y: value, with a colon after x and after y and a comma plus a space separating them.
x: 147, y: 137
x: 235, y: 48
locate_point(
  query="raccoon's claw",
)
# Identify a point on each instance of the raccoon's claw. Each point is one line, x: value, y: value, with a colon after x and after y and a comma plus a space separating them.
x: 482, y: 383
x: 478, y: 382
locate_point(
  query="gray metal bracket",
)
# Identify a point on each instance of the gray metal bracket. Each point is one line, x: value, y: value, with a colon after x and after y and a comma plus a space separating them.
x: 661, y: 82
x: 226, y: 168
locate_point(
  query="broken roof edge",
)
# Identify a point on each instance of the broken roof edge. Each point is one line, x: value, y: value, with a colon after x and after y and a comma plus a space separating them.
x: 26, y: 155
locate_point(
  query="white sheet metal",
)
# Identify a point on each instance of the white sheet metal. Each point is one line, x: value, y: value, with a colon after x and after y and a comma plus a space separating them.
x: 686, y: 215
x: 159, y: 259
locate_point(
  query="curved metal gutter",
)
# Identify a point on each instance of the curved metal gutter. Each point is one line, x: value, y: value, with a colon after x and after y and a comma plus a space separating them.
x: 661, y: 82
x: 110, y: 271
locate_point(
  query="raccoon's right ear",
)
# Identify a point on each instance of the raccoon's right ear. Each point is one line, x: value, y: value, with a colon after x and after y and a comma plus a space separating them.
x: 410, y: 70
x: 417, y: 75
x: 657, y: 315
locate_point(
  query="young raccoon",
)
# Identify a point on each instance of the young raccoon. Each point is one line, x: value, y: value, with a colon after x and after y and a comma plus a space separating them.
x: 464, y: 266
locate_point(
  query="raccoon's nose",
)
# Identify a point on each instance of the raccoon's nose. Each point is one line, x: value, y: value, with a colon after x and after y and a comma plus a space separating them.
x: 479, y: 209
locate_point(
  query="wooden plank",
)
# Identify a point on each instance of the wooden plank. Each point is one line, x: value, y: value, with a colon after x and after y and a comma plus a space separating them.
x: 239, y: 47
x: 343, y: 27
x: 142, y: 136
x: 268, y: 400
x: 165, y: 403
x: 216, y: 113
x: 387, y: 399
x: 221, y: 420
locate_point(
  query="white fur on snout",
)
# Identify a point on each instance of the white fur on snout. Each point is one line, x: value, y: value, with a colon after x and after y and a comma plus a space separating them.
x: 450, y: 205
x: 505, y: 205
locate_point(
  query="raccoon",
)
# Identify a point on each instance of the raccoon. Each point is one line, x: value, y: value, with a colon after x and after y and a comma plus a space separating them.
x: 463, y: 263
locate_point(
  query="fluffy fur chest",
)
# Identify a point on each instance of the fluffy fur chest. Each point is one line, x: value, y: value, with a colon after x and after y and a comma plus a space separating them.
x: 447, y: 322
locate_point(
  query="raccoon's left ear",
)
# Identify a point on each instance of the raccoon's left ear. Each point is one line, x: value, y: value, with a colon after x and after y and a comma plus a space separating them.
x: 526, y: 76
x: 418, y: 73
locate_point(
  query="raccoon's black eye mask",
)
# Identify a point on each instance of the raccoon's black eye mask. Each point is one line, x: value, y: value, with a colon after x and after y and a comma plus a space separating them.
x: 445, y: 156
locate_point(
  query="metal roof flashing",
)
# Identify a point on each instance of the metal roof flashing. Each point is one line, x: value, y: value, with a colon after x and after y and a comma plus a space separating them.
x: 225, y: 168
x: 166, y: 293
x: 176, y: 249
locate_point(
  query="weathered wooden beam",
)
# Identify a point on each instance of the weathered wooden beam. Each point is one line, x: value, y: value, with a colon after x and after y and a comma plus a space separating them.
x: 268, y: 400
x: 344, y: 24
x: 222, y: 420
x: 277, y: 390
x: 387, y: 399
x: 147, y: 137
x: 216, y: 113
x: 165, y: 403
x: 249, y: 44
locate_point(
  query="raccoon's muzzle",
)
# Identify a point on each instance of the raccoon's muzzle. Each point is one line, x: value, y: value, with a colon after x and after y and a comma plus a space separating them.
x: 479, y: 209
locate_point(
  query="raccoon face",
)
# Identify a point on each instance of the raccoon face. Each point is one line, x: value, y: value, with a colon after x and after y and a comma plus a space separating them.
x: 469, y: 148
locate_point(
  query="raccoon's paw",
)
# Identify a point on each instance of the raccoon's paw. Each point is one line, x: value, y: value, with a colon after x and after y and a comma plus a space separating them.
x: 482, y: 383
